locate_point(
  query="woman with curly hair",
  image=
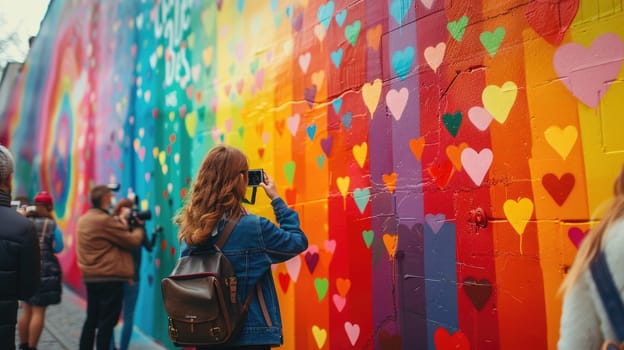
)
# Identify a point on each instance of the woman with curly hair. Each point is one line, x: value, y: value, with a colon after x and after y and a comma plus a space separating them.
x: 254, y: 244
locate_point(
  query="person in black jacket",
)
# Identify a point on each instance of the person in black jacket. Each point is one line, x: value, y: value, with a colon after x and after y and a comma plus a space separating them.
x: 19, y: 255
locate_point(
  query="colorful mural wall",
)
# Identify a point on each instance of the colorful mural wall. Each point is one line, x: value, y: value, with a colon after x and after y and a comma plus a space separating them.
x: 446, y: 157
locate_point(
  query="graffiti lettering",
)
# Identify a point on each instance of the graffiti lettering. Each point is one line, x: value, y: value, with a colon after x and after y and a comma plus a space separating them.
x: 171, y: 23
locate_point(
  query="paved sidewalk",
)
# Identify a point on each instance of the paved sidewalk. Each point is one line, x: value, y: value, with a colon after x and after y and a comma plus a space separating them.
x: 64, y: 321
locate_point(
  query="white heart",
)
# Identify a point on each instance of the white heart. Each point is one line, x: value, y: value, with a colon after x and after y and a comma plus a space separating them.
x: 435, y: 55
x: 396, y: 101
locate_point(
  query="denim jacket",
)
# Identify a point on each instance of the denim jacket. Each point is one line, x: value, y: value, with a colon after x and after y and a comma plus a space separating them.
x: 254, y: 244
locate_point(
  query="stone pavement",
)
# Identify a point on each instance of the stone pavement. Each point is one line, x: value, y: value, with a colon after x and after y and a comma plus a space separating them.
x: 63, y: 325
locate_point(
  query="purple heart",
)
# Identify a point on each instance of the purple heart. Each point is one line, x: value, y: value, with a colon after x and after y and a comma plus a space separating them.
x: 297, y: 22
x: 312, y: 260
x: 326, y: 144
x: 576, y: 235
x: 310, y: 94
x: 435, y: 221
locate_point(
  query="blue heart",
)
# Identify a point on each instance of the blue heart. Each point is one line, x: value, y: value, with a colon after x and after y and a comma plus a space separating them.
x: 325, y: 13
x: 346, y: 120
x: 402, y: 61
x: 336, y: 57
x: 337, y: 104
x: 361, y: 197
x: 273, y: 5
x: 311, y: 131
x: 340, y: 17
x: 398, y: 9
x: 289, y: 10
x: 320, y: 160
x: 241, y: 5
x: 277, y: 20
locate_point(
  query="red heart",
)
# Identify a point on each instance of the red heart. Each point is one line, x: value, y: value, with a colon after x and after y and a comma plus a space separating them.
x: 284, y: 279
x: 559, y: 189
x: 478, y: 292
x: 261, y: 152
x: 551, y: 19
x: 444, y: 341
x: 291, y: 196
x: 442, y: 173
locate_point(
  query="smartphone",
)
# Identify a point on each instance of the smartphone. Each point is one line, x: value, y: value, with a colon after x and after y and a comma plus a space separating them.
x: 15, y: 204
x: 256, y: 177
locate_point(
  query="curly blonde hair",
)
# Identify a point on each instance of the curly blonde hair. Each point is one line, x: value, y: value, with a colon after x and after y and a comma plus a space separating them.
x: 218, y: 190
x: 593, y: 242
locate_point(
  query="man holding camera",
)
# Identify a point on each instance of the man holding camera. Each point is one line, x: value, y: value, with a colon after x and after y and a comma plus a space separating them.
x: 103, y: 248
x: 19, y: 255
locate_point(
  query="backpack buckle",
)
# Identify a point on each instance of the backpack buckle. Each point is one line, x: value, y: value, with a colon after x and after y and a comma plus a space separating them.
x: 216, y: 332
x: 173, y: 331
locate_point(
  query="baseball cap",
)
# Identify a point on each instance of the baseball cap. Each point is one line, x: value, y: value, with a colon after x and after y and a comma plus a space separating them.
x: 6, y: 163
x: 44, y: 198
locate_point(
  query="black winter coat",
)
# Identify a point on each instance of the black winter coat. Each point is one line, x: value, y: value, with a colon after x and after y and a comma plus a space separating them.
x: 19, y: 266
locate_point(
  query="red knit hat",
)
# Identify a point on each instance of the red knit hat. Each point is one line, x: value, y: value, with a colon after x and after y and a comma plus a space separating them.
x: 43, y: 198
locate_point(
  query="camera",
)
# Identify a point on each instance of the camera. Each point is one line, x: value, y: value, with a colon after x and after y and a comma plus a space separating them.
x: 136, y: 214
x: 256, y: 177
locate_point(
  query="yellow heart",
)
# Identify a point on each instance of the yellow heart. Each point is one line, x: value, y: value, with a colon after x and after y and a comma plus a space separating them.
x: 454, y: 154
x: 318, y: 78
x: 190, y: 121
x: 499, y: 100
x: 320, y: 335
x: 191, y: 40
x: 159, y: 51
x: 562, y: 140
x: 390, y: 241
x: 136, y: 145
x: 370, y: 94
x: 343, y: 185
x: 155, y: 152
x: 518, y: 213
x: 359, y: 153
x: 207, y: 56
x: 319, y: 31
x: 162, y: 157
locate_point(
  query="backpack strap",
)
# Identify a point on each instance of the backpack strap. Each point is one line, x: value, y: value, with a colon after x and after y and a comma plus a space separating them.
x: 43, y: 231
x: 609, y: 294
x: 225, y: 234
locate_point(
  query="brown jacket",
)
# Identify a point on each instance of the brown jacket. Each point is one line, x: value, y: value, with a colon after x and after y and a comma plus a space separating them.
x: 103, y: 247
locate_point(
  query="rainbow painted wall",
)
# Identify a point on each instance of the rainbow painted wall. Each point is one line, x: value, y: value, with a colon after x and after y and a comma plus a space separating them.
x: 394, y: 127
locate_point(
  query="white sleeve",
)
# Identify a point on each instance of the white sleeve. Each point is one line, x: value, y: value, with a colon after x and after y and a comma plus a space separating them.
x: 580, y: 326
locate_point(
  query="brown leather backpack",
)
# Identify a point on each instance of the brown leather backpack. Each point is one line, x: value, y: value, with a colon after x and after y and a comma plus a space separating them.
x: 200, y: 298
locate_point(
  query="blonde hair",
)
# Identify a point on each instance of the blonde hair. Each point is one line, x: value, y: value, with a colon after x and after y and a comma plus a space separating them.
x: 218, y: 190
x: 592, y: 243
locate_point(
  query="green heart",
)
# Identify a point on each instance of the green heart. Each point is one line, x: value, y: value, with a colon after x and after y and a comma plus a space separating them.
x: 368, y: 237
x: 289, y: 171
x: 320, y: 160
x: 253, y: 67
x: 492, y: 40
x: 452, y: 122
x: 352, y: 31
x: 321, y: 285
x: 241, y: 131
x: 457, y: 28
x: 361, y: 197
x: 232, y: 69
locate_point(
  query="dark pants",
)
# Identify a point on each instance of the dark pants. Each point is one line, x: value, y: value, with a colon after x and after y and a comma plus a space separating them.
x: 103, y: 308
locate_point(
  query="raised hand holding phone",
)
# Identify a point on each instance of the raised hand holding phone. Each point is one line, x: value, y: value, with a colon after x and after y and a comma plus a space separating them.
x: 269, y: 187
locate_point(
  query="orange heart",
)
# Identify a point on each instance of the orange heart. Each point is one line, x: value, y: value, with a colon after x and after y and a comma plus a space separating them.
x: 417, y: 146
x: 373, y: 37
x: 454, y: 154
x: 279, y: 126
x: 390, y: 241
x: 390, y: 181
x: 259, y: 128
x: 343, y: 285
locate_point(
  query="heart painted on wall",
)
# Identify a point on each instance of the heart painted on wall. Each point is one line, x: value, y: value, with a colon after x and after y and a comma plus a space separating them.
x: 561, y: 140
x: 353, y: 332
x: 361, y: 197
x: 321, y: 285
x: 576, y: 236
x: 311, y: 259
x: 435, y: 221
x: 339, y: 302
x: 435, y: 55
x: 326, y: 144
x: 452, y: 122
x: 370, y: 94
x: 588, y: 73
x: 390, y: 181
x: 480, y: 117
x: 402, y: 62
x: 454, y: 154
x: 551, y: 19
x: 284, y: 280
x: 444, y: 341
x: 476, y: 163
x: 417, y: 146
x: 558, y: 188
x: 367, y: 236
x: 441, y: 173
x: 498, y: 101
x: 518, y: 213
x: 492, y: 41
x: 320, y: 336
x: 293, y: 266
x: 478, y: 292
x: 352, y: 32
x: 458, y: 28
x: 396, y: 101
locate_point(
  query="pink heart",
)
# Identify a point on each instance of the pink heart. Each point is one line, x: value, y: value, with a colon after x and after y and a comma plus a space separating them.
x: 293, y: 123
x: 330, y: 245
x: 435, y: 221
x: 396, y: 101
x: 588, y: 73
x: 477, y: 164
x: 339, y: 302
x: 576, y: 235
x: 294, y: 267
x: 142, y: 153
x: 480, y: 117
